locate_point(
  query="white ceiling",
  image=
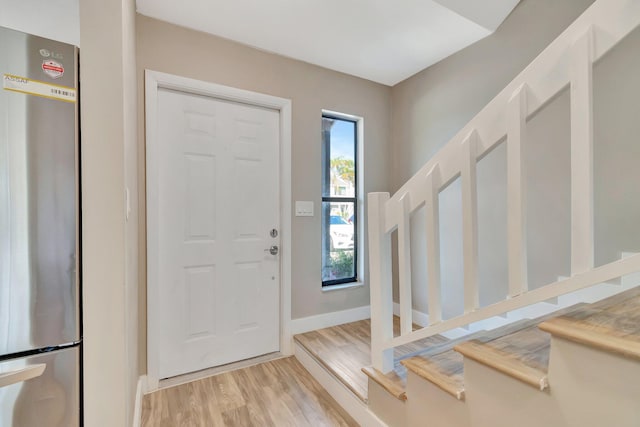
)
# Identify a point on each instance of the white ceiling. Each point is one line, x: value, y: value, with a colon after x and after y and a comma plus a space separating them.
x: 380, y: 40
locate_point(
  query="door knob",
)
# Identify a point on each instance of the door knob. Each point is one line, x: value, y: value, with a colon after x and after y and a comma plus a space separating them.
x: 273, y: 250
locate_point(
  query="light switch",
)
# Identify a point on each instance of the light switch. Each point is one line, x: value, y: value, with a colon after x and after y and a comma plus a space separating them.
x: 304, y: 208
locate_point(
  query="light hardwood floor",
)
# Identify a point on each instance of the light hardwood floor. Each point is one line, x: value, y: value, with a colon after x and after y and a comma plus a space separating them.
x: 276, y: 393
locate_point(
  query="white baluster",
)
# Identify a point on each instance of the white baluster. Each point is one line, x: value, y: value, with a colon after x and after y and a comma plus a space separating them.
x: 432, y: 212
x: 380, y: 283
x: 470, y: 221
x: 582, y: 153
x: 404, y: 265
x: 516, y: 192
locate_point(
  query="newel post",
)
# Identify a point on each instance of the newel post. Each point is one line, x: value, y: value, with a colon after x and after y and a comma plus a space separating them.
x: 380, y: 283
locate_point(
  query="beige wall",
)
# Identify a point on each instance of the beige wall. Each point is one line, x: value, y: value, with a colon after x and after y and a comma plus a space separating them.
x: 130, y: 162
x: 176, y: 50
x: 433, y: 105
x: 616, y: 95
x: 110, y: 288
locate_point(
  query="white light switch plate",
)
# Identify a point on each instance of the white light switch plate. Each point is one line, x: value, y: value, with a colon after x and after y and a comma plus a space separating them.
x: 304, y: 208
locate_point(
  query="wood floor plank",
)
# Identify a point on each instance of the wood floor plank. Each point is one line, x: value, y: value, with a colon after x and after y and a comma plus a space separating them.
x: 258, y: 409
x: 237, y: 417
x: 228, y: 394
x: 276, y: 393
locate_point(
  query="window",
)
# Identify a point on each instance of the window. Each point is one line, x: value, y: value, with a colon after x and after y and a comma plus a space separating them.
x: 339, y: 200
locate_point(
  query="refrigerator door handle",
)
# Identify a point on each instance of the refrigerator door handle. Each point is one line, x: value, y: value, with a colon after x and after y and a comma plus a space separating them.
x: 20, y: 375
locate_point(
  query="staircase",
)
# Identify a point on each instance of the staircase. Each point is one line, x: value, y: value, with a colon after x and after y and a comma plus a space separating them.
x: 568, y: 61
x: 575, y: 366
x: 563, y: 354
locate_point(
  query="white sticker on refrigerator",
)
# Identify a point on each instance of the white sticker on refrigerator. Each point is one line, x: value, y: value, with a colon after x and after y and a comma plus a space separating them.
x: 38, y: 88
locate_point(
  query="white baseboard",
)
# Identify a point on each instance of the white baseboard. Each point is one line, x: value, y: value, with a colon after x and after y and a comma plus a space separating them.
x: 344, y: 397
x: 326, y: 320
x: 419, y: 318
x: 141, y: 389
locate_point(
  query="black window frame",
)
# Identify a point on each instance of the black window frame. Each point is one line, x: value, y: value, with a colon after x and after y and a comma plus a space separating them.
x: 326, y: 184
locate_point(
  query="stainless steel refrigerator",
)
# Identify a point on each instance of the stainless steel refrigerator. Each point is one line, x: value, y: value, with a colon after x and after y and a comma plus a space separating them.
x: 40, y: 329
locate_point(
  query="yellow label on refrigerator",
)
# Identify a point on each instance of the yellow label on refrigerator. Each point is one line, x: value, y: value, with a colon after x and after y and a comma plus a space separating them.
x: 38, y: 88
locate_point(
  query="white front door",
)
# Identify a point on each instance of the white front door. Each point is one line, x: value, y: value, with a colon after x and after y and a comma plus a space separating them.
x: 218, y: 202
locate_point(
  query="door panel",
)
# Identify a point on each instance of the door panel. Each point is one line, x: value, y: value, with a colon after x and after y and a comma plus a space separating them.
x: 218, y: 200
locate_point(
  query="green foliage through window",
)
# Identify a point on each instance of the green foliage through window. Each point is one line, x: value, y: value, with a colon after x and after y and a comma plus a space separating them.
x: 339, y: 200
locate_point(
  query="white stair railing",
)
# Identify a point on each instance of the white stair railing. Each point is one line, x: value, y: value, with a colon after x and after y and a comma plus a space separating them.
x: 567, y: 61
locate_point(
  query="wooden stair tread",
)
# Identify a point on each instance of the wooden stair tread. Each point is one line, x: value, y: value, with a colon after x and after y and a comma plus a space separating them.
x: 611, y: 325
x: 444, y: 367
x: 523, y: 355
x: 484, y: 335
x: 395, y: 381
x: 445, y: 370
x: 391, y: 382
x: 519, y: 349
x: 617, y: 298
